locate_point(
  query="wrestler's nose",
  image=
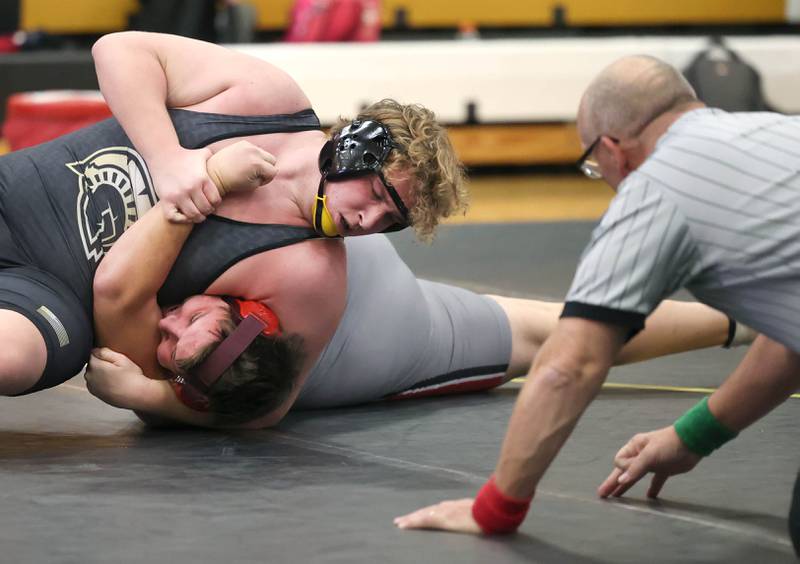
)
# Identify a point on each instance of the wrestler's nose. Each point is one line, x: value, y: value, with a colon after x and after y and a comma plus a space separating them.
x: 169, y: 324
x: 370, y: 218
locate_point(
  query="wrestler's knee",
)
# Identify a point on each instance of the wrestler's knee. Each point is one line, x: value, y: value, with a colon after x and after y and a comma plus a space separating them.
x: 531, y: 322
x: 23, y: 354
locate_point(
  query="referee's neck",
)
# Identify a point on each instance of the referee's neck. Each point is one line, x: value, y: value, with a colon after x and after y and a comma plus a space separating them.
x: 650, y: 135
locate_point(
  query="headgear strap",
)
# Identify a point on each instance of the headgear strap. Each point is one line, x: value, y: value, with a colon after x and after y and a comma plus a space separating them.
x: 228, y: 351
x: 189, y: 395
x: 322, y: 220
x: 256, y: 319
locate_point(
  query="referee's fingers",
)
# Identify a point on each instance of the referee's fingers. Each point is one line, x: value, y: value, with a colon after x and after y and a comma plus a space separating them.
x: 610, y: 483
x: 656, y: 484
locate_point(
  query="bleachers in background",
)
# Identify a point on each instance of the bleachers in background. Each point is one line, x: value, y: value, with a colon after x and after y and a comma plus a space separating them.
x: 76, y: 17
x: 507, y: 81
x: 508, y: 102
x: 581, y: 13
x: 511, y: 101
x: 100, y: 16
x: 516, y: 145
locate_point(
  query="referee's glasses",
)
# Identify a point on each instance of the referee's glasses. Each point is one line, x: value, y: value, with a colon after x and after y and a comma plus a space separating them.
x: 589, y: 166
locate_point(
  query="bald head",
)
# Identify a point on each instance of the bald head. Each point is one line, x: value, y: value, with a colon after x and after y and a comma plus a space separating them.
x: 629, y: 94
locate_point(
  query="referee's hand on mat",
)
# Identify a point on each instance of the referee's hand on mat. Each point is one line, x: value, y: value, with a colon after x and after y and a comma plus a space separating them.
x: 660, y: 452
x: 455, y: 516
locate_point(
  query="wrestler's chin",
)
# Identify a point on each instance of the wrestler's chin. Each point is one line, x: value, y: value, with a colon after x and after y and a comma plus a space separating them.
x: 342, y: 226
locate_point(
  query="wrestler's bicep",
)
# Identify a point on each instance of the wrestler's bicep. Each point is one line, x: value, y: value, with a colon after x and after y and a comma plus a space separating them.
x: 204, y: 76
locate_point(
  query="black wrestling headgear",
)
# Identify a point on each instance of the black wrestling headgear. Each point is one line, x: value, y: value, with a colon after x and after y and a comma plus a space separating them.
x: 360, y: 148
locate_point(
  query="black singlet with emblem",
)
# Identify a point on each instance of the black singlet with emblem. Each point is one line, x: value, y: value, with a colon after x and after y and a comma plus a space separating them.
x: 65, y: 202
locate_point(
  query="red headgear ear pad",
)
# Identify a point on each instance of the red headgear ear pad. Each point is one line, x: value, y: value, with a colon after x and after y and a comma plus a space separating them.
x: 250, y: 307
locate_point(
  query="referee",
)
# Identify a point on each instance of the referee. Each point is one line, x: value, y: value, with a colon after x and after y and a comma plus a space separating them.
x: 706, y: 200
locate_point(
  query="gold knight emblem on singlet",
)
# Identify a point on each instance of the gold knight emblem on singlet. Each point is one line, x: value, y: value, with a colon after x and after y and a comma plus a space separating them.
x: 114, y: 190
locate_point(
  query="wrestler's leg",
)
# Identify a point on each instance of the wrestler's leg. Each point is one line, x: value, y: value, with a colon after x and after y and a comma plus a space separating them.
x: 676, y: 327
x: 23, y: 355
x: 531, y: 323
x: 672, y: 328
x: 46, y: 331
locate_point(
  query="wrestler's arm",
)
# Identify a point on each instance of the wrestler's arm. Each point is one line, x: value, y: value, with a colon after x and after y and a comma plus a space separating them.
x: 126, y: 317
x: 126, y: 284
x: 177, y: 72
x: 171, y: 71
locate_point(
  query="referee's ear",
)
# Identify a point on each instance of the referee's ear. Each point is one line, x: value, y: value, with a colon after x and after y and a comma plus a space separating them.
x: 614, y: 159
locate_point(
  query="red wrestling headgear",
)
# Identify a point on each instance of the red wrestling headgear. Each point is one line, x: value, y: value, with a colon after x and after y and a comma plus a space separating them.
x: 252, y: 319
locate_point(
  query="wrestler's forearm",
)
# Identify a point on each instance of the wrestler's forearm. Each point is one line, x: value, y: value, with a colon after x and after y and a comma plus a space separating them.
x: 126, y: 313
x: 161, y: 407
x: 566, y: 376
x: 139, y: 262
x: 676, y: 327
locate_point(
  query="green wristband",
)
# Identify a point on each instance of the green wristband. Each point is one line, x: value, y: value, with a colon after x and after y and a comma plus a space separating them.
x: 700, y: 431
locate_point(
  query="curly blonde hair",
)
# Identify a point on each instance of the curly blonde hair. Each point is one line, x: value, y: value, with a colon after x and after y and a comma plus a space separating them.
x: 424, y: 150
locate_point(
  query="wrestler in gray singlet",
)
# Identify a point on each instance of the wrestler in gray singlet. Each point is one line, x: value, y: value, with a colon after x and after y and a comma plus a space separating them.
x: 398, y: 337
x: 404, y: 337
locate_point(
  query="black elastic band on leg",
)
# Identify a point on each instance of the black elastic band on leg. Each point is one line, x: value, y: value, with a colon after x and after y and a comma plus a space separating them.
x: 731, y: 333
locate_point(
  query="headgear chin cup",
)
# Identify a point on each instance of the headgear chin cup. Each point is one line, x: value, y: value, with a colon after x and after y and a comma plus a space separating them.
x: 360, y: 148
x: 323, y: 220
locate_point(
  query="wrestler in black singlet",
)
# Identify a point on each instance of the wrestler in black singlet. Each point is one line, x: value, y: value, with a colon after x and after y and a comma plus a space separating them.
x: 64, y: 203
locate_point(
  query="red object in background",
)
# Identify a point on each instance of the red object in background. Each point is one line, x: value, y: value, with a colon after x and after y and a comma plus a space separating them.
x: 7, y: 44
x: 36, y: 117
x: 334, y: 20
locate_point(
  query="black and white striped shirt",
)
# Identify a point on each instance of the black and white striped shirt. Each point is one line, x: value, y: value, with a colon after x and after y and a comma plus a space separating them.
x: 715, y: 209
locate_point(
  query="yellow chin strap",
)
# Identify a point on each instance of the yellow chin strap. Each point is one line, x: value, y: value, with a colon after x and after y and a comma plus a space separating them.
x: 323, y: 220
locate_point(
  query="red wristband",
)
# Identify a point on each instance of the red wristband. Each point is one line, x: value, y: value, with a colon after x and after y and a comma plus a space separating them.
x: 495, y: 512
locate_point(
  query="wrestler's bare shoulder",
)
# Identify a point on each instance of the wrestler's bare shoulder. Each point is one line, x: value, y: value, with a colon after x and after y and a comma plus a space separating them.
x: 305, y: 284
x: 302, y: 272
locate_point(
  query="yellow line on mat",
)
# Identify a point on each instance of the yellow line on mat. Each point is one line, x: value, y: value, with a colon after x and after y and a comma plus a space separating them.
x: 606, y: 386
x: 652, y: 388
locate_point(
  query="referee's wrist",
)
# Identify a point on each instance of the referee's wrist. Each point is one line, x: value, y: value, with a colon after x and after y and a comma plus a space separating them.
x: 700, y: 431
x: 496, y: 512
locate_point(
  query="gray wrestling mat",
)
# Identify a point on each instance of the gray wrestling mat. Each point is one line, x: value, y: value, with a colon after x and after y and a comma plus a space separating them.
x: 85, y: 483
